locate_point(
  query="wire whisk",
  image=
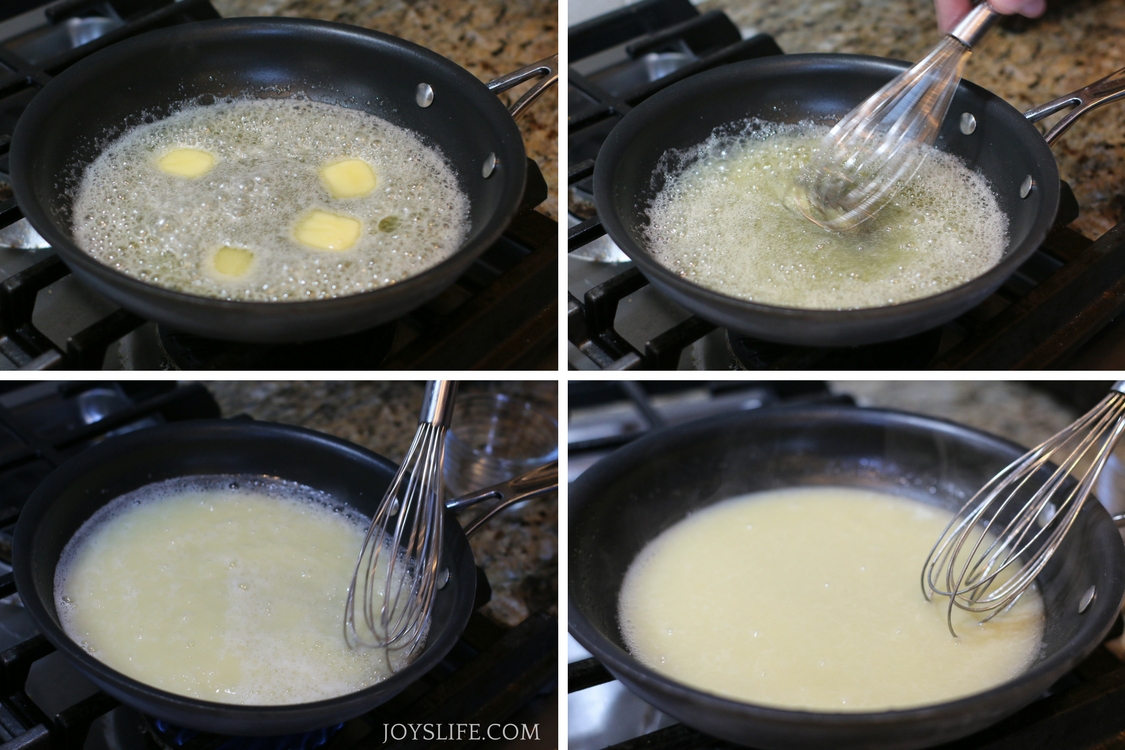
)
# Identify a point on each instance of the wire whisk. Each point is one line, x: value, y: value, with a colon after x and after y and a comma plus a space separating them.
x: 1034, y: 494
x: 873, y: 151
x: 398, y: 572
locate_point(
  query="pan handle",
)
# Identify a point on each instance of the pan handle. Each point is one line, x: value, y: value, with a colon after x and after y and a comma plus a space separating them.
x: 539, y: 481
x: 1106, y: 90
x: 547, y: 69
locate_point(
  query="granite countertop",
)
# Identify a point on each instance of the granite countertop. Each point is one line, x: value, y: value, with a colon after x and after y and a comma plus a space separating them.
x: 488, y: 38
x: 1026, y: 62
x: 1017, y: 411
x: 517, y: 549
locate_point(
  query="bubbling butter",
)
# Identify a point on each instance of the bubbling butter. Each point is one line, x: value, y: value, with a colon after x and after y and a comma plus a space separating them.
x: 726, y: 219
x: 284, y: 179
x: 809, y: 598
x: 227, y: 589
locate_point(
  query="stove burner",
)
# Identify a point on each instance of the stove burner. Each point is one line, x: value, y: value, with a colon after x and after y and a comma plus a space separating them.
x: 912, y: 353
x: 171, y: 737
x: 365, y: 350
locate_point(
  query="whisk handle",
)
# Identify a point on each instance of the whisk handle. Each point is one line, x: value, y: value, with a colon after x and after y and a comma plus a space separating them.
x: 437, y: 403
x: 973, y: 27
x: 539, y: 481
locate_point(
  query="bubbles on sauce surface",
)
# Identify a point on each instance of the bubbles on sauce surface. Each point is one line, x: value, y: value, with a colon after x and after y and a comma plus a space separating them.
x: 245, y: 173
x: 725, y: 219
x: 224, y: 588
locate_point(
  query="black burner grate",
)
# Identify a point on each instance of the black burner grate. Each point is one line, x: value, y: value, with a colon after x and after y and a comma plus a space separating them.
x: 1058, y: 301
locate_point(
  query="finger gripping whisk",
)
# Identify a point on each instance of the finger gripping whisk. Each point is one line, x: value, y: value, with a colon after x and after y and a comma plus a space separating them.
x: 1005, y: 535
x: 398, y: 573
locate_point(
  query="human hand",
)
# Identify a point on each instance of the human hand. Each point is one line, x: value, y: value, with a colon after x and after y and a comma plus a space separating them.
x: 949, y: 12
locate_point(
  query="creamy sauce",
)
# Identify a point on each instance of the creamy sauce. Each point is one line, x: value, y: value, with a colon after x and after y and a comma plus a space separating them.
x: 810, y: 599
x: 327, y: 201
x: 726, y: 220
x: 233, y: 595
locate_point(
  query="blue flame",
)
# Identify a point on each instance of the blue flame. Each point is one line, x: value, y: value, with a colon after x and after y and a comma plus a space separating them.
x: 178, y: 736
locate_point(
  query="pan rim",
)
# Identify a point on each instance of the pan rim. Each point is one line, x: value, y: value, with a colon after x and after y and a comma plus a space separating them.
x: 617, y: 659
x: 634, y: 122
x: 21, y: 164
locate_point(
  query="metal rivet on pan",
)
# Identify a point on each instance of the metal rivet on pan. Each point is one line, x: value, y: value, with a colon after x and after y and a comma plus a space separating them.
x: 1025, y: 188
x: 443, y: 578
x: 968, y: 123
x: 489, y: 165
x: 395, y: 505
x: 424, y: 95
x: 1086, y: 599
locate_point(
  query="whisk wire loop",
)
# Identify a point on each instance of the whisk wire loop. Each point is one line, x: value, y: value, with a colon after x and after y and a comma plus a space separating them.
x: 1042, y: 503
x: 1017, y: 520
x: 874, y: 150
x: 396, y: 576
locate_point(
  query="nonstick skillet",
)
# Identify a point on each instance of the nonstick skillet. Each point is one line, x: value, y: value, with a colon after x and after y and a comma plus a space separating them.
x: 628, y: 498
x: 1000, y: 144
x: 72, y: 119
x: 83, y: 484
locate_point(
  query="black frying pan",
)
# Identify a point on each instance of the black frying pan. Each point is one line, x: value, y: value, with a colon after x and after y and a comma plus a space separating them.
x: 622, y: 502
x: 1004, y: 147
x: 69, y: 122
x: 82, y: 485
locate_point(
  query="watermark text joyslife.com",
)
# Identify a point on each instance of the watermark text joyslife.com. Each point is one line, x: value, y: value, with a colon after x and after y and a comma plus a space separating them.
x: 460, y: 732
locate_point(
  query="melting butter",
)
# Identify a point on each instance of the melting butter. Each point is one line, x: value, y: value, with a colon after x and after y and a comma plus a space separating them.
x: 232, y: 261
x: 328, y: 231
x: 186, y: 162
x: 348, y: 179
x: 809, y: 598
x: 276, y: 162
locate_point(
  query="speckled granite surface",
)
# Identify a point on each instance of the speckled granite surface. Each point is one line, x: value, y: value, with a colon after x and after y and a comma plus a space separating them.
x: 487, y: 37
x: 1027, y: 63
x: 518, y: 549
x: 1017, y: 411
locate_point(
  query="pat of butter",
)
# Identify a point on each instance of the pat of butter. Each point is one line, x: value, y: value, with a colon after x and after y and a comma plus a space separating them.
x: 186, y: 162
x: 326, y: 231
x: 232, y: 261
x: 348, y: 179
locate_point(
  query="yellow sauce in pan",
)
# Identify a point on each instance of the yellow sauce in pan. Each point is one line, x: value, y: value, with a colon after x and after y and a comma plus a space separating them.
x: 326, y: 201
x: 726, y: 220
x: 810, y: 599
x: 227, y: 594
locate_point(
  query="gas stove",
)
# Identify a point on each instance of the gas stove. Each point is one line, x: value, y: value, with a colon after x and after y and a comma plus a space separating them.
x: 1059, y: 310
x: 492, y: 676
x: 1082, y: 710
x: 500, y: 314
